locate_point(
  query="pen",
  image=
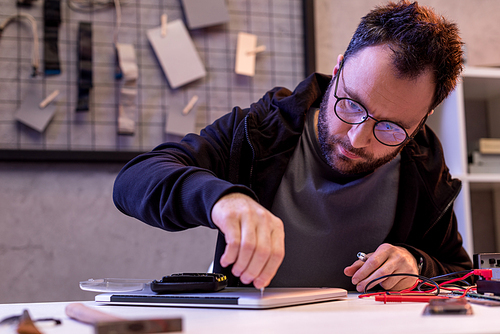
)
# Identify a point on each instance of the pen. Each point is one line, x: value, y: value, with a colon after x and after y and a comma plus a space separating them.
x: 362, y: 256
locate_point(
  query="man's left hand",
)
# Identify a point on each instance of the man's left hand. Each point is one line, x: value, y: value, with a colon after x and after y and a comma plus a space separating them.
x: 387, y: 259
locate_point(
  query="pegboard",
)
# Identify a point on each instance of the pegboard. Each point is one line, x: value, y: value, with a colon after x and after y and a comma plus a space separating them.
x: 279, y: 24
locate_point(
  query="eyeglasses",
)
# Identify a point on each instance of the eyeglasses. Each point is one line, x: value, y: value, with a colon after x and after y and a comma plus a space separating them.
x: 353, y: 112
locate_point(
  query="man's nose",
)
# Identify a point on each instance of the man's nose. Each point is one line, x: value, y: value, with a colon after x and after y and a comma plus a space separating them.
x: 361, y: 135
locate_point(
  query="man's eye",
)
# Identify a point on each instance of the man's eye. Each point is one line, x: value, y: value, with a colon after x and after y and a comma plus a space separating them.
x: 353, y: 106
x: 388, y: 126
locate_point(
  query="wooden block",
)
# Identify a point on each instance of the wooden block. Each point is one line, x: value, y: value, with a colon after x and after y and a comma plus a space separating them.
x: 246, y: 51
x: 489, y: 145
x: 105, y: 323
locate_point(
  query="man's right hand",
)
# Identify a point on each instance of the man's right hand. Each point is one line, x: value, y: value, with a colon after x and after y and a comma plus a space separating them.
x: 255, y: 238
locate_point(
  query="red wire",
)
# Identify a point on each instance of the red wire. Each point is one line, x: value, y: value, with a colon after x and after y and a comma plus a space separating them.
x: 409, y: 292
x: 457, y: 279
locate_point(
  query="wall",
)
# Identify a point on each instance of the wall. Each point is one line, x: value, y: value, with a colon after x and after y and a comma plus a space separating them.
x: 336, y: 21
x: 59, y: 227
x: 277, y: 25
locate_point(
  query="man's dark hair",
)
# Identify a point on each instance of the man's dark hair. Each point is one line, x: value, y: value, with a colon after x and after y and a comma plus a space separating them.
x: 420, y: 39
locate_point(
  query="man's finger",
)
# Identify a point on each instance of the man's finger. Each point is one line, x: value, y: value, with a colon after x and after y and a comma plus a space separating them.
x: 260, y: 254
x: 398, y: 283
x: 369, y: 267
x: 275, y: 259
x: 247, y: 246
x: 353, y: 268
x: 232, y: 235
x: 382, y: 271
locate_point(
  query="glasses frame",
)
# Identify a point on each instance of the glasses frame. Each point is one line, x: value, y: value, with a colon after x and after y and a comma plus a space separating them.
x: 338, y: 99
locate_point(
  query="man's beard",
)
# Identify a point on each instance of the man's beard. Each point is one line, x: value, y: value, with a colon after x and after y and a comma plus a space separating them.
x: 339, y: 162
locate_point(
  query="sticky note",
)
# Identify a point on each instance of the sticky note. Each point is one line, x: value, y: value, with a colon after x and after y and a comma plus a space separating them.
x: 177, y: 54
x: 205, y: 13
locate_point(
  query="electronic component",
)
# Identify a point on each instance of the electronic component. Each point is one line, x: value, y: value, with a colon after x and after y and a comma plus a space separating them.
x: 184, y: 282
x: 477, y: 298
x: 488, y: 287
x: 190, y: 282
x: 490, y: 261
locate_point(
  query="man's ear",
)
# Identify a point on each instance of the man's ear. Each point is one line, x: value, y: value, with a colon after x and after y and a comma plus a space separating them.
x: 339, y: 61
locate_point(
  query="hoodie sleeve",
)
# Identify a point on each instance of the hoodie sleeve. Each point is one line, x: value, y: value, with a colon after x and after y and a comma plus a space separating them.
x: 175, y: 186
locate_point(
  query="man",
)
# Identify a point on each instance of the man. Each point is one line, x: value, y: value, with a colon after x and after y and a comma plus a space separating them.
x: 300, y: 182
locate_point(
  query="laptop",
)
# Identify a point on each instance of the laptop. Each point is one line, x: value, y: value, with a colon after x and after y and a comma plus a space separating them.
x: 244, y: 298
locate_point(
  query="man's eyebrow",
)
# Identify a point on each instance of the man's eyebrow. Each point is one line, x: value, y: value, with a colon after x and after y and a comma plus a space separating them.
x: 355, y: 97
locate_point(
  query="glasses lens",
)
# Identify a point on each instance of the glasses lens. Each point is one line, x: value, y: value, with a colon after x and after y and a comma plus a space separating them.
x: 389, y: 133
x: 350, y: 111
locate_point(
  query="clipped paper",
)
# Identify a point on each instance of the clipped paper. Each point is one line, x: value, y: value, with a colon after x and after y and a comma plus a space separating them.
x: 177, y: 54
x: 178, y: 123
x: 30, y: 113
x: 127, y: 108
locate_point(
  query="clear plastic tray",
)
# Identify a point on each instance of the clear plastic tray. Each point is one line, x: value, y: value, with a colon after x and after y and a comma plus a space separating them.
x: 114, y: 284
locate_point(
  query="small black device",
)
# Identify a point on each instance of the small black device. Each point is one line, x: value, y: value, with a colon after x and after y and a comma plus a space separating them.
x: 190, y: 282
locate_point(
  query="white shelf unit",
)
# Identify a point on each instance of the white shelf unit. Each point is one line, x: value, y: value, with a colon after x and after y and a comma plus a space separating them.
x: 472, y: 111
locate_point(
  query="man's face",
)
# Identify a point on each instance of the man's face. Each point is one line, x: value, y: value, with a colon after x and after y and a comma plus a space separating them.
x: 370, y: 79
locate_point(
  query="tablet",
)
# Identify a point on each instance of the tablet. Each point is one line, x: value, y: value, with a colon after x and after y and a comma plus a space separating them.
x: 244, y: 298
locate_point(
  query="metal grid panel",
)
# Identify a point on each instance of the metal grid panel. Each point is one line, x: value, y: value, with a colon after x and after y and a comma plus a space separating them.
x: 277, y: 23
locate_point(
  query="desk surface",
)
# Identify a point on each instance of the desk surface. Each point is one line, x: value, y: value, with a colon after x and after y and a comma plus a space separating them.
x: 352, y: 315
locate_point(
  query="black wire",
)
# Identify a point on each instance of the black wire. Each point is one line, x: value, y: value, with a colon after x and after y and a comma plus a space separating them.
x: 10, y: 319
x: 450, y: 274
x: 464, y: 282
x: 423, y: 278
x: 56, y: 321
x: 15, y: 318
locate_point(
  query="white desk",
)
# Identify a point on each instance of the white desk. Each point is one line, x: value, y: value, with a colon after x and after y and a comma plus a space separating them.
x: 348, y: 316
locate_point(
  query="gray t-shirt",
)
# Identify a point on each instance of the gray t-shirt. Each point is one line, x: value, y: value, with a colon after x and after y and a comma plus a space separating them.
x: 328, y: 219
